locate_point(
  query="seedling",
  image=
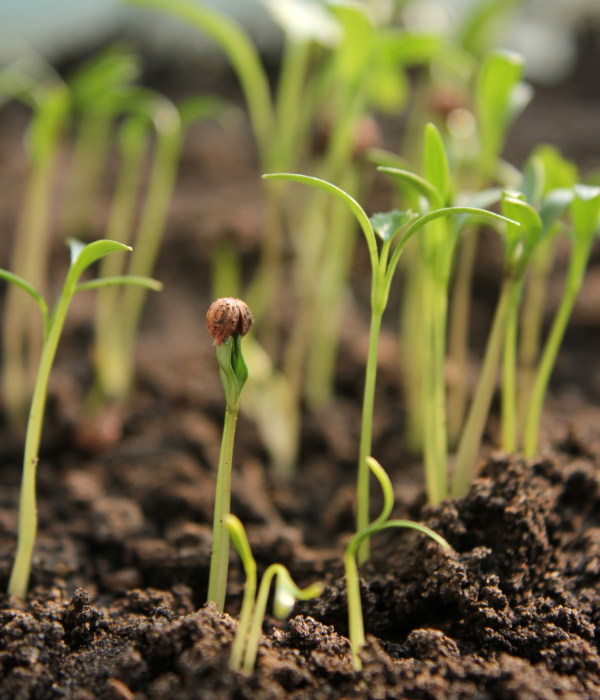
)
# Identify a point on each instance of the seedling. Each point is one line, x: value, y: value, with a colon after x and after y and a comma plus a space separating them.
x: 286, y: 594
x: 520, y: 241
x: 120, y: 311
x: 82, y: 256
x: 228, y: 320
x: 585, y: 210
x: 386, y: 227
x: 49, y: 100
x: 355, y: 617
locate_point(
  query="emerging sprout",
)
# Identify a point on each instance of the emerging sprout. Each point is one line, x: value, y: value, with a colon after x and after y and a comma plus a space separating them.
x: 355, y: 617
x: 82, y: 256
x: 286, y: 595
x: 228, y: 320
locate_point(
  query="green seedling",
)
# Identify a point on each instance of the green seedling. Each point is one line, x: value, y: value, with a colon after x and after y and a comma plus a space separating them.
x: 99, y: 89
x: 437, y: 245
x: 82, y: 256
x: 550, y: 208
x: 559, y: 174
x: 520, y: 240
x: 383, y: 266
x: 585, y: 211
x: 227, y: 320
x: 252, y: 613
x: 120, y: 311
x: 355, y: 616
x: 49, y: 101
x: 500, y: 96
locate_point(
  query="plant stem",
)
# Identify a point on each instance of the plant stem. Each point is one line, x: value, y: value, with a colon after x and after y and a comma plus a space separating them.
x: 239, y: 643
x: 478, y: 413
x: 509, y: 375
x: 532, y: 321
x: 459, y: 336
x: 219, y: 561
x: 259, y: 615
x: 575, y: 275
x: 19, y: 577
x: 362, y: 507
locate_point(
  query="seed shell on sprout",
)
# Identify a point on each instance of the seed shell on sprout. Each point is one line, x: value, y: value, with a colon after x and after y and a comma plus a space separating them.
x: 228, y: 316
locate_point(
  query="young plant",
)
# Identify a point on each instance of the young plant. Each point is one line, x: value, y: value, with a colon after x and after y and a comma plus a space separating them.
x: 82, y: 256
x: 355, y: 617
x: 228, y: 320
x: 500, y: 96
x: 286, y: 594
x: 383, y: 267
x: 585, y: 212
x: 49, y: 100
x: 120, y: 311
x: 520, y: 240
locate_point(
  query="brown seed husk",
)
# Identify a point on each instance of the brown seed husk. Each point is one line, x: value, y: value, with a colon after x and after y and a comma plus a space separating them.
x: 228, y: 316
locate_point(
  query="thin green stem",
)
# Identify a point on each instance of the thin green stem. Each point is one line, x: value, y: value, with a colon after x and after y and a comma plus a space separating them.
x: 362, y: 506
x: 19, y: 577
x: 509, y: 375
x: 575, y: 275
x: 219, y: 560
x: 259, y: 615
x: 478, y: 413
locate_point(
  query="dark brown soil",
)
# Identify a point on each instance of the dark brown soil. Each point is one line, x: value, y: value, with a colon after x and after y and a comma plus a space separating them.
x: 120, y: 572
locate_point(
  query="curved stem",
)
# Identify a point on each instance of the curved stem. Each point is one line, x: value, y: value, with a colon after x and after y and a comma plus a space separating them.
x: 259, y: 615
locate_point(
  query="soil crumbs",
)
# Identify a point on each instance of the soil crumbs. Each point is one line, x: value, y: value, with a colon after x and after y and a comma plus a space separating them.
x: 512, y: 612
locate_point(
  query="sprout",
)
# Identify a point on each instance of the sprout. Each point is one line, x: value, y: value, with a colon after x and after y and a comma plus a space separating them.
x: 286, y: 595
x: 228, y: 320
x: 355, y: 617
x: 82, y: 256
x: 585, y: 211
x: 383, y: 266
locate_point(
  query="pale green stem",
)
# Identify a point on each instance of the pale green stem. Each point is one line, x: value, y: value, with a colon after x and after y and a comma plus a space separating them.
x: 219, y: 560
x: 107, y: 351
x: 575, y: 275
x: 532, y: 321
x: 509, y: 375
x: 478, y: 413
x: 148, y: 240
x: 459, y: 336
x: 259, y: 615
x: 19, y: 577
x: 362, y: 506
x: 239, y: 643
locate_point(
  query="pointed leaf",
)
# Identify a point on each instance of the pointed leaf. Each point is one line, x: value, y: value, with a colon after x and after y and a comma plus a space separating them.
x: 355, y: 207
x: 585, y: 210
x: 417, y: 183
x: 520, y: 241
x: 386, y: 225
x: 436, y: 169
x: 146, y: 282
x: 560, y: 172
x: 354, y: 50
x: 533, y: 181
x: 82, y: 256
x: 554, y: 206
x: 30, y: 289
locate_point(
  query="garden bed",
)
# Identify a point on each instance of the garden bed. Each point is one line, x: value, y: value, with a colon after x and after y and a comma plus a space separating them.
x: 121, y: 565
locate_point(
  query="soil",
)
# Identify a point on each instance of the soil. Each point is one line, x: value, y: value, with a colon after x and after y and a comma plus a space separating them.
x: 116, y: 609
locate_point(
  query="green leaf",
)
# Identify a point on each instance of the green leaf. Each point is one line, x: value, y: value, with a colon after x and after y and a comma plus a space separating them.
x: 499, y: 75
x: 436, y: 168
x: 560, y: 172
x: 387, y: 159
x: 478, y: 200
x: 417, y: 183
x: 82, y: 256
x: 354, y: 206
x: 30, y: 289
x: 287, y: 593
x: 482, y: 27
x: 97, y: 78
x: 553, y: 206
x: 304, y: 21
x: 233, y: 367
x: 585, y: 210
x: 533, y: 181
x: 386, y: 225
x: 353, y: 53
x: 146, y: 282
x: 520, y: 241
x: 408, y: 48
x: 240, y: 51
